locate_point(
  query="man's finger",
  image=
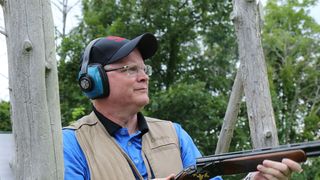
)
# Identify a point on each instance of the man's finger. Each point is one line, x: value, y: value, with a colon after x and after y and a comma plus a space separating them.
x: 270, y: 172
x: 283, y: 168
x: 294, y: 166
x: 259, y: 176
x: 268, y: 176
x: 170, y: 177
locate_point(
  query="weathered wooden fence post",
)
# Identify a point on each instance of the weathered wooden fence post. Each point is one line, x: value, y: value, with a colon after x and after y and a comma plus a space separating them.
x: 230, y: 118
x: 254, y: 75
x: 253, y: 79
x: 34, y: 92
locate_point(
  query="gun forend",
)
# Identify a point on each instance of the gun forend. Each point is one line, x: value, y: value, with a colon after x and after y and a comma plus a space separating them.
x: 250, y: 163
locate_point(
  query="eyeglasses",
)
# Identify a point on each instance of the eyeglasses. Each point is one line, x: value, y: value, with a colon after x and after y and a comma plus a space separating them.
x: 132, y: 69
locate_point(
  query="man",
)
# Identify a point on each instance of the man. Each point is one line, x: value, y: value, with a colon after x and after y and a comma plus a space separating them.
x: 116, y: 141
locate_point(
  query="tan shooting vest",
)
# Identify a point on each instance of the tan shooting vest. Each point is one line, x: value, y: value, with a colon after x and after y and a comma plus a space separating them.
x: 106, y: 159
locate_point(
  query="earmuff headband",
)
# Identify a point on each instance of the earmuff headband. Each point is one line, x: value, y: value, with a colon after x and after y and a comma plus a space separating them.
x: 86, y: 57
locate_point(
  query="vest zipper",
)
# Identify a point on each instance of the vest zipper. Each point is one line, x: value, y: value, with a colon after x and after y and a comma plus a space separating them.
x: 146, y: 162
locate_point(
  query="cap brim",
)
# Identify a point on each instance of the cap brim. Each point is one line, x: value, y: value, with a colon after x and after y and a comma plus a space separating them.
x: 146, y: 43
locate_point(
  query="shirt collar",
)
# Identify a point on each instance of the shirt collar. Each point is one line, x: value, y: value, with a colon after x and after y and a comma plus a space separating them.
x: 112, y: 127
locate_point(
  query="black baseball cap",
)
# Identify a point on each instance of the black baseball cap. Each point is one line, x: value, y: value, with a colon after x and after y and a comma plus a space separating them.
x: 110, y: 49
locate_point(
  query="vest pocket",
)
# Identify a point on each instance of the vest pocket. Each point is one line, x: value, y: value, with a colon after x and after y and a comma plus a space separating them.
x: 163, y: 142
x: 165, y: 159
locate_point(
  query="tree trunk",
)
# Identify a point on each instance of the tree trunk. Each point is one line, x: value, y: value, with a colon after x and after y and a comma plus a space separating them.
x: 230, y: 117
x: 254, y: 74
x: 33, y: 85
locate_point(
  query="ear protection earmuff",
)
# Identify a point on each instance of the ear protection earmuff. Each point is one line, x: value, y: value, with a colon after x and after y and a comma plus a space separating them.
x: 93, y: 80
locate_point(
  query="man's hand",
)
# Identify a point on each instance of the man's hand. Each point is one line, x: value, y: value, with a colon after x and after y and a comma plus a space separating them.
x: 272, y: 170
x: 170, y: 177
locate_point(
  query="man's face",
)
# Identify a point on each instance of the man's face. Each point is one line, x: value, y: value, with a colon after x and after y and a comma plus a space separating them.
x: 128, y: 89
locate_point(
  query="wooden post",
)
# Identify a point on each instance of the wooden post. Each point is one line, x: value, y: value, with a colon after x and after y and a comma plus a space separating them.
x: 254, y: 74
x: 230, y: 118
x: 246, y: 16
x: 33, y: 87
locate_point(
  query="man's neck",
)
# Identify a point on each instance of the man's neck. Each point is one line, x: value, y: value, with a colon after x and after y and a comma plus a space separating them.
x: 121, y: 116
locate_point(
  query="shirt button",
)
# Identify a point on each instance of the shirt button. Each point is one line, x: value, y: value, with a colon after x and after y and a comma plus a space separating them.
x: 129, y: 143
x: 136, y: 161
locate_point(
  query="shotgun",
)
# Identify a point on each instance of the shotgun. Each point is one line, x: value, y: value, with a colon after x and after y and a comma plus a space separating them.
x: 247, y: 161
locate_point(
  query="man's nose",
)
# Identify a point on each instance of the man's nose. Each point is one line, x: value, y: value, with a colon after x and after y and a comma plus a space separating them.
x: 142, y: 75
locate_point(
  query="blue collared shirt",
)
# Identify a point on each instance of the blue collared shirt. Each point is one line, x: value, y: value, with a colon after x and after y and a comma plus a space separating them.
x: 76, y: 167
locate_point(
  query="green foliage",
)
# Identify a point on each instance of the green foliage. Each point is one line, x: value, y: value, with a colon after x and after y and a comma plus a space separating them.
x: 78, y: 112
x: 194, y: 108
x: 291, y: 43
x: 5, y: 122
x: 71, y: 98
x: 311, y: 170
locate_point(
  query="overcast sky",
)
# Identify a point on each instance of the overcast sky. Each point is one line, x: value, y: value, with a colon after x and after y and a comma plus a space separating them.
x: 71, y: 22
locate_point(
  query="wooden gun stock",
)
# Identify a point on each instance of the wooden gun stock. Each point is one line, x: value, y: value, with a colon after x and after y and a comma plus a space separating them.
x: 250, y: 163
x: 247, y: 161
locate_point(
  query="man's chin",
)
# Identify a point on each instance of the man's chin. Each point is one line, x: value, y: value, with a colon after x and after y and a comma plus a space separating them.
x: 143, y: 102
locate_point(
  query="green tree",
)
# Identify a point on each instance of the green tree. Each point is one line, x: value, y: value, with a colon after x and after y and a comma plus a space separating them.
x: 73, y: 103
x: 291, y: 42
x: 194, y: 108
x: 5, y: 121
